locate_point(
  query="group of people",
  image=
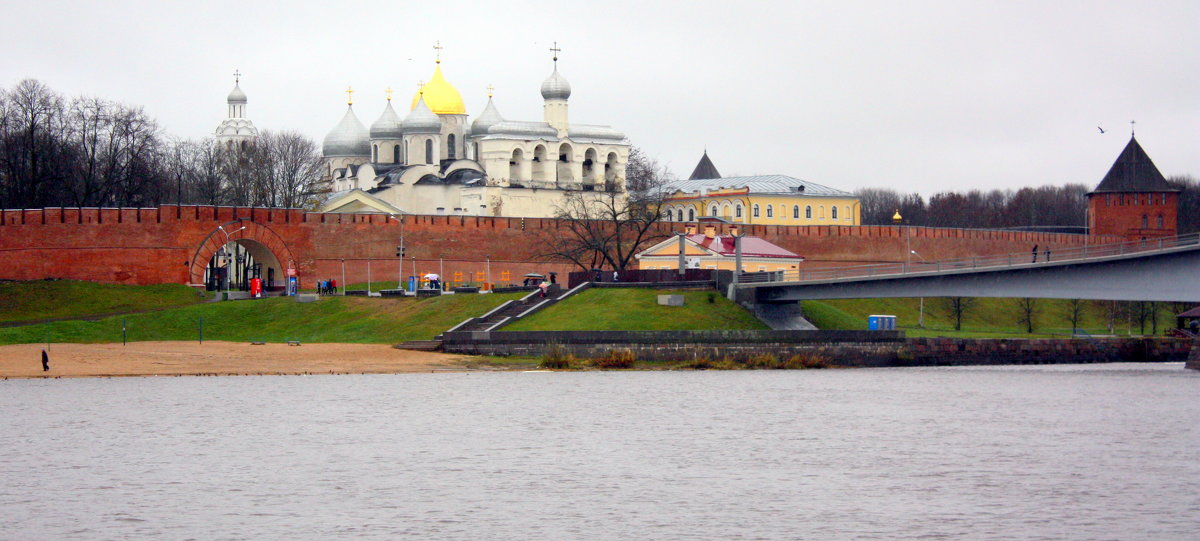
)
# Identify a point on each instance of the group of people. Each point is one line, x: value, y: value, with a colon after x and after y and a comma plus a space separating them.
x: 1035, y: 253
x: 327, y: 287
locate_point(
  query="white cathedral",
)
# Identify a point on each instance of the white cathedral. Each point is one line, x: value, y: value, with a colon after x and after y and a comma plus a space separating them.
x: 436, y: 162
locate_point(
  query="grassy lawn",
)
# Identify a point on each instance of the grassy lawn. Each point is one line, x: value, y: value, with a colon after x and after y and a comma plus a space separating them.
x: 332, y: 319
x: 638, y: 310
x: 49, y: 299
x: 986, y: 317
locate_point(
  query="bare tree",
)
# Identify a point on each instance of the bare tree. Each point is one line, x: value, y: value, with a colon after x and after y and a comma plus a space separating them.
x: 33, y: 147
x: 607, y: 229
x: 958, y: 307
x: 289, y: 169
x: 1027, y: 313
x: 1075, y: 310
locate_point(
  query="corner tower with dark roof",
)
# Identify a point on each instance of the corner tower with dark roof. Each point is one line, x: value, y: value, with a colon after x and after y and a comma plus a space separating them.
x: 705, y: 169
x: 1134, y: 200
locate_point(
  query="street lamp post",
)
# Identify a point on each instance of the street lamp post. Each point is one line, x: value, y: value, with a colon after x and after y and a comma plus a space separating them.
x: 921, y: 314
x: 399, y: 255
x: 228, y: 266
x: 344, y: 284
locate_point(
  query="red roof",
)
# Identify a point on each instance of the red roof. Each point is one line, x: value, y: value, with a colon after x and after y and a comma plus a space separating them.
x: 751, y: 246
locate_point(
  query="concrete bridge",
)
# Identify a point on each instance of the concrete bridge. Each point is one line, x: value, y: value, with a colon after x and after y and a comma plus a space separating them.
x: 1166, y: 269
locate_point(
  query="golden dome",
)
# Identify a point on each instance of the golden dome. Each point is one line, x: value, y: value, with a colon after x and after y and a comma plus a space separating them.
x: 441, y: 96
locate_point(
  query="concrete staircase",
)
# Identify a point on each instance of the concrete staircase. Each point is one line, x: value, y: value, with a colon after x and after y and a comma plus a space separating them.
x: 514, y: 310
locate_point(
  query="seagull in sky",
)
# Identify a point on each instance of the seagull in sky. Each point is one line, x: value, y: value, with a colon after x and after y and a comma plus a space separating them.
x: 1099, y: 128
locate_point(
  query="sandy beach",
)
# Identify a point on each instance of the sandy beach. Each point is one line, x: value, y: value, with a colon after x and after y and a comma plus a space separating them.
x: 216, y: 358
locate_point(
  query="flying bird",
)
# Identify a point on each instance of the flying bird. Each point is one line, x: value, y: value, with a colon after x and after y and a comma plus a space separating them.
x: 1099, y: 128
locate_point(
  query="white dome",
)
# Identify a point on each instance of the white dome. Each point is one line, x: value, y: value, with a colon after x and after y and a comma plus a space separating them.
x: 348, y: 138
x: 556, y: 87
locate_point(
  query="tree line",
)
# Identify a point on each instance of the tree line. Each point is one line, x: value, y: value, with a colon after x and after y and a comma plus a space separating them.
x: 93, y: 152
x: 1041, y: 207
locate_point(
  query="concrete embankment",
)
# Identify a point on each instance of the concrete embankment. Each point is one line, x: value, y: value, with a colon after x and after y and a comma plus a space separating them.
x: 1193, y: 360
x: 844, y: 348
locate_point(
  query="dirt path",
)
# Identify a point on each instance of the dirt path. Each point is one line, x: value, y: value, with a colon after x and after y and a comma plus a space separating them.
x: 216, y: 358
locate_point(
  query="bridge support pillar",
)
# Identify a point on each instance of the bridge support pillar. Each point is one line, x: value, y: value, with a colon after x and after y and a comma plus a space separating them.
x: 1193, y: 360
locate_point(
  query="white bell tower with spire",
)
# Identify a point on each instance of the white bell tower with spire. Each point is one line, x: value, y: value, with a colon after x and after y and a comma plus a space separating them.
x: 236, y: 129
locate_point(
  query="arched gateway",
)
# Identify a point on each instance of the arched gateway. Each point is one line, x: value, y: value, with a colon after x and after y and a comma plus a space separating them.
x: 259, y: 241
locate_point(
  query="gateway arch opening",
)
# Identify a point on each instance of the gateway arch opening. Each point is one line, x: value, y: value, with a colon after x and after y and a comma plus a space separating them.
x: 239, y: 261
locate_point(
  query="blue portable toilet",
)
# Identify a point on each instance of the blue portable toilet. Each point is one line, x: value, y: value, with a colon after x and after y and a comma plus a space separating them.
x: 881, y: 323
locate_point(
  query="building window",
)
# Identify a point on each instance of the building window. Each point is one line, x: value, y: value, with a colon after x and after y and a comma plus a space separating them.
x: 808, y: 211
x: 450, y: 147
x: 429, y: 151
x: 375, y: 153
x: 738, y: 211
x: 1160, y: 221
x: 1164, y: 198
x: 754, y: 211
x: 833, y: 212
x: 712, y: 211
x: 395, y: 153
x: 1145, y: 221
x: 770, y: 211
x: 1108, y: 200
x: 796, y: 211
x: 691, y: 215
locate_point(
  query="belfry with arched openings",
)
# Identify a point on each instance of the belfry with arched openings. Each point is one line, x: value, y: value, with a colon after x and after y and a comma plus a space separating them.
x: 435, y: 160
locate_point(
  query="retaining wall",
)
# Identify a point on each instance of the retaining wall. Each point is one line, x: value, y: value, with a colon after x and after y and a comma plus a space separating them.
x: 843, y: 348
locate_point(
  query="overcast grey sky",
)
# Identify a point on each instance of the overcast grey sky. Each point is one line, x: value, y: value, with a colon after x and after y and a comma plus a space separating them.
x: 916, y: 96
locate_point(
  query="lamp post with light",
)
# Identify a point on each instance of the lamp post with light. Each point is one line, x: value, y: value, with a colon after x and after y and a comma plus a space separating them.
x: 228, y: 263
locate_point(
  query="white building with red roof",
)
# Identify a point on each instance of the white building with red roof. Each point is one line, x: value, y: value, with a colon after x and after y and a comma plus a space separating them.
x: 709, y: 250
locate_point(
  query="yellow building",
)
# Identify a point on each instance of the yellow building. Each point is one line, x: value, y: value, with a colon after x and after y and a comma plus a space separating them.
x: 712, y: 251
x: 759, y: 199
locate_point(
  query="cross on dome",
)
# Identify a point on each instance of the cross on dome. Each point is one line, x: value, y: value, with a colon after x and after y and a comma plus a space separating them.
x: 555, y: 50
x: 490, y: 90
x: 349, y: 96
x: 237, y: 77
x: 389, y: 93
x: 438, y: 47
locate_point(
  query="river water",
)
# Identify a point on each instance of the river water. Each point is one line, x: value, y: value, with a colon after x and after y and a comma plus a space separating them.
x: 1048, y: 452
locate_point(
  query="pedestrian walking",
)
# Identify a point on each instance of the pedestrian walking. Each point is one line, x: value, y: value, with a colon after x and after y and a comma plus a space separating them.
x: 45, y: 361
x: 1047, y: 254
x: 1035, y: 247
x: 616, y: 277
x: 544, y: 286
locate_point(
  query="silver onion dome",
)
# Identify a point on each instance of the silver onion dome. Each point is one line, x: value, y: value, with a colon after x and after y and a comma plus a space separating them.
x: 422, y: 120
x: 348, y: 138
x: 488, y: 118
x: 236, y: 96
x: 388, y: 124
x: 556, y: 87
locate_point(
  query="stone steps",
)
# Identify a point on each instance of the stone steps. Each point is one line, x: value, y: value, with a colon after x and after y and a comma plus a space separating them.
x: 420, y: 345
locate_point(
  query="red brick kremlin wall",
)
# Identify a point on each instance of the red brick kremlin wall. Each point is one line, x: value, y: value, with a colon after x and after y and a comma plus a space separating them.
x: 170, y: 244
x: 1134, y: 215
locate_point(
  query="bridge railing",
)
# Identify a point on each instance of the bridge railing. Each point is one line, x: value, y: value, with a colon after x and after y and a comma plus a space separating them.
x: 1019, y: 259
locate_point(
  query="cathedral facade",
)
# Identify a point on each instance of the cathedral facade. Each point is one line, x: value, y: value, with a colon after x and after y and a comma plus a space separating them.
x: 436, y: 160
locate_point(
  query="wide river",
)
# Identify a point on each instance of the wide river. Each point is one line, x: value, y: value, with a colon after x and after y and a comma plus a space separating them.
x: 1048, y: 452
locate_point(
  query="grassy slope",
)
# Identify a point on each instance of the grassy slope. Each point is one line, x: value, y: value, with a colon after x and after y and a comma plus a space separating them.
x: 986, y: 318
x: 37, y: 300
x: 637, y: 309
x: 332, y: 319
